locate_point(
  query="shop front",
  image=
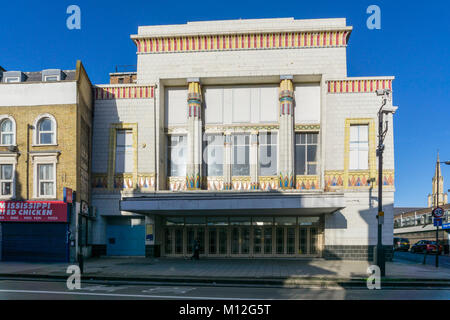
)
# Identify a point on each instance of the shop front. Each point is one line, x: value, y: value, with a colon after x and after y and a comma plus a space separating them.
x: 34, y: 231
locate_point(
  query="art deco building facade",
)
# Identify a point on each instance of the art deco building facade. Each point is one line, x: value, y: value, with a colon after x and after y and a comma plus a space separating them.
x: 247, y: 135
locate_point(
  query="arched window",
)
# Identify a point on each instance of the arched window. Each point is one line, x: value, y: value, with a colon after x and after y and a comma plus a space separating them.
x: 7, y: 132
x: 46, y: 130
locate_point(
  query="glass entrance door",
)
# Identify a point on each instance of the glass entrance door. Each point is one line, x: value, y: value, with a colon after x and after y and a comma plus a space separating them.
x: 217, y: 241
x: 240, y: 240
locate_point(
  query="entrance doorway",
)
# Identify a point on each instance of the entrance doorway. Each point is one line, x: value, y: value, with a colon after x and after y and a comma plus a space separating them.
x: 246, y: 237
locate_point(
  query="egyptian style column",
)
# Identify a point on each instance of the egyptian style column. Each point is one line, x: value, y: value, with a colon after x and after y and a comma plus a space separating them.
x: 194, y: 136
x: 227, y: 159
x: 254, y: 160
x: 286, y: 132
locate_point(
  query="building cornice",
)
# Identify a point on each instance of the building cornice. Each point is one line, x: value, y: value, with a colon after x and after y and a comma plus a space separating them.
x: 283, y: 39
x: 359, y: 85
x: 109, y: 92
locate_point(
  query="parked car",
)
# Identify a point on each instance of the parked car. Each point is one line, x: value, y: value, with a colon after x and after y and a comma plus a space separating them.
x: 401, y: 244
x: 427, y: 246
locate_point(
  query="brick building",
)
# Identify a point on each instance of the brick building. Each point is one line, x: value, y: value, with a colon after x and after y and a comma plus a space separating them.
x: 247, y: 135
x: 45, y: 145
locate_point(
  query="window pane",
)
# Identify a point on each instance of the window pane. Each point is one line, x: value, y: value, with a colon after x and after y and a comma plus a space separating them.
x: 46, y: 138
x: 46, y: 171
x: 177, y: 156
x: 359, y: 147
x: 6, y: 171
x: 268, y: 154
x: 46, y: 125
x: 241, y: 155
x: 300, y: 163
x: 6, y: 126
x: 213, y: 155
x: 6, y: 188
x: 7, y: 138
x: 363, y: 160
x: 312, y: 153
x: 312, y: 169
x: 46, y: 188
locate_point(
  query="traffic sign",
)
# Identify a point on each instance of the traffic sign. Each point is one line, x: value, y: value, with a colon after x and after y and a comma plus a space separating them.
x: 438, y: 212
x: 446, y: 226
x: 437, y: 222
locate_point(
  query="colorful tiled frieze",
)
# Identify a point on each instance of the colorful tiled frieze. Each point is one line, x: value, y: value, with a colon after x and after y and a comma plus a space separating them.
x: 176, y: 183
x: 268, y: 183
x: 222, y: 42
x: 358, y: 86
x: 359, y: 179
x: 193, y: 182
x: 123, y: 181
x: 214, y: 183
x: 146, y: 181
x: 124, y: 92
x: 334, y: 178
x: 306, y: 182
x: 99, y: 180
x: 388, y: 178
x: 285, y: 181
x: 241, y: 183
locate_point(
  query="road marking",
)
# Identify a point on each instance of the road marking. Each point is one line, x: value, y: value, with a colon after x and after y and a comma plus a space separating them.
x: 175, y: 290
x: 124, y: 295
x: 104, y: 288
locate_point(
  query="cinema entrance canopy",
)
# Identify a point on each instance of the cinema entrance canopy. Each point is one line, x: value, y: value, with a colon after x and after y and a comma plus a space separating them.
x: 234, y: 203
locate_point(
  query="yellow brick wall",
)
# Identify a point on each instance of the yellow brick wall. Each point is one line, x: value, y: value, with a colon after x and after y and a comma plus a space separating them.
x: 66, y: 167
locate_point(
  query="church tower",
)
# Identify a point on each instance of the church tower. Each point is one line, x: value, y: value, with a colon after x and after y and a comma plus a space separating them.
x: 437, y: 195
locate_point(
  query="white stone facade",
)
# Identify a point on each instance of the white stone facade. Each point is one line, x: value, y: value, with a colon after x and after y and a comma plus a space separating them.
x: 240, y: 67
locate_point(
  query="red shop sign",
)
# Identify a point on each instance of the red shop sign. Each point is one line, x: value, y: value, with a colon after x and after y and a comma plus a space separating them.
x: 33, y: 211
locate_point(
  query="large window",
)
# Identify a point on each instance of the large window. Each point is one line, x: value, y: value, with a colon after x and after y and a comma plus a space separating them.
x: 306, y: 153
x: 241, y: 155
x: 213, y: 155
x: 6, y: 179
x: 177, y: 155
x: 268, y: 154
x: 7, y: 132
x: 46, y: 180
x: 46, y: 131
x: 124, y: 151
x: 359, y: 147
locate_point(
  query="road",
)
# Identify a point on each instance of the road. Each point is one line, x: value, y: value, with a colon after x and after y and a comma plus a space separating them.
x: 408, y: 257
x: 57, y: 290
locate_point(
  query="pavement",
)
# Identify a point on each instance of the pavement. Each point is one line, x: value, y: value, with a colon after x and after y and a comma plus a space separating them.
x: 282, y: 272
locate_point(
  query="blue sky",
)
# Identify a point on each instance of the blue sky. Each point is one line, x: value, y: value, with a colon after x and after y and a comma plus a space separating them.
x: 413, y: 45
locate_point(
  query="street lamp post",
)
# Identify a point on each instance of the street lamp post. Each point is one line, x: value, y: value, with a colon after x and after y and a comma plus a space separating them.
x: 386, y: 95
x: 437, y: 205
